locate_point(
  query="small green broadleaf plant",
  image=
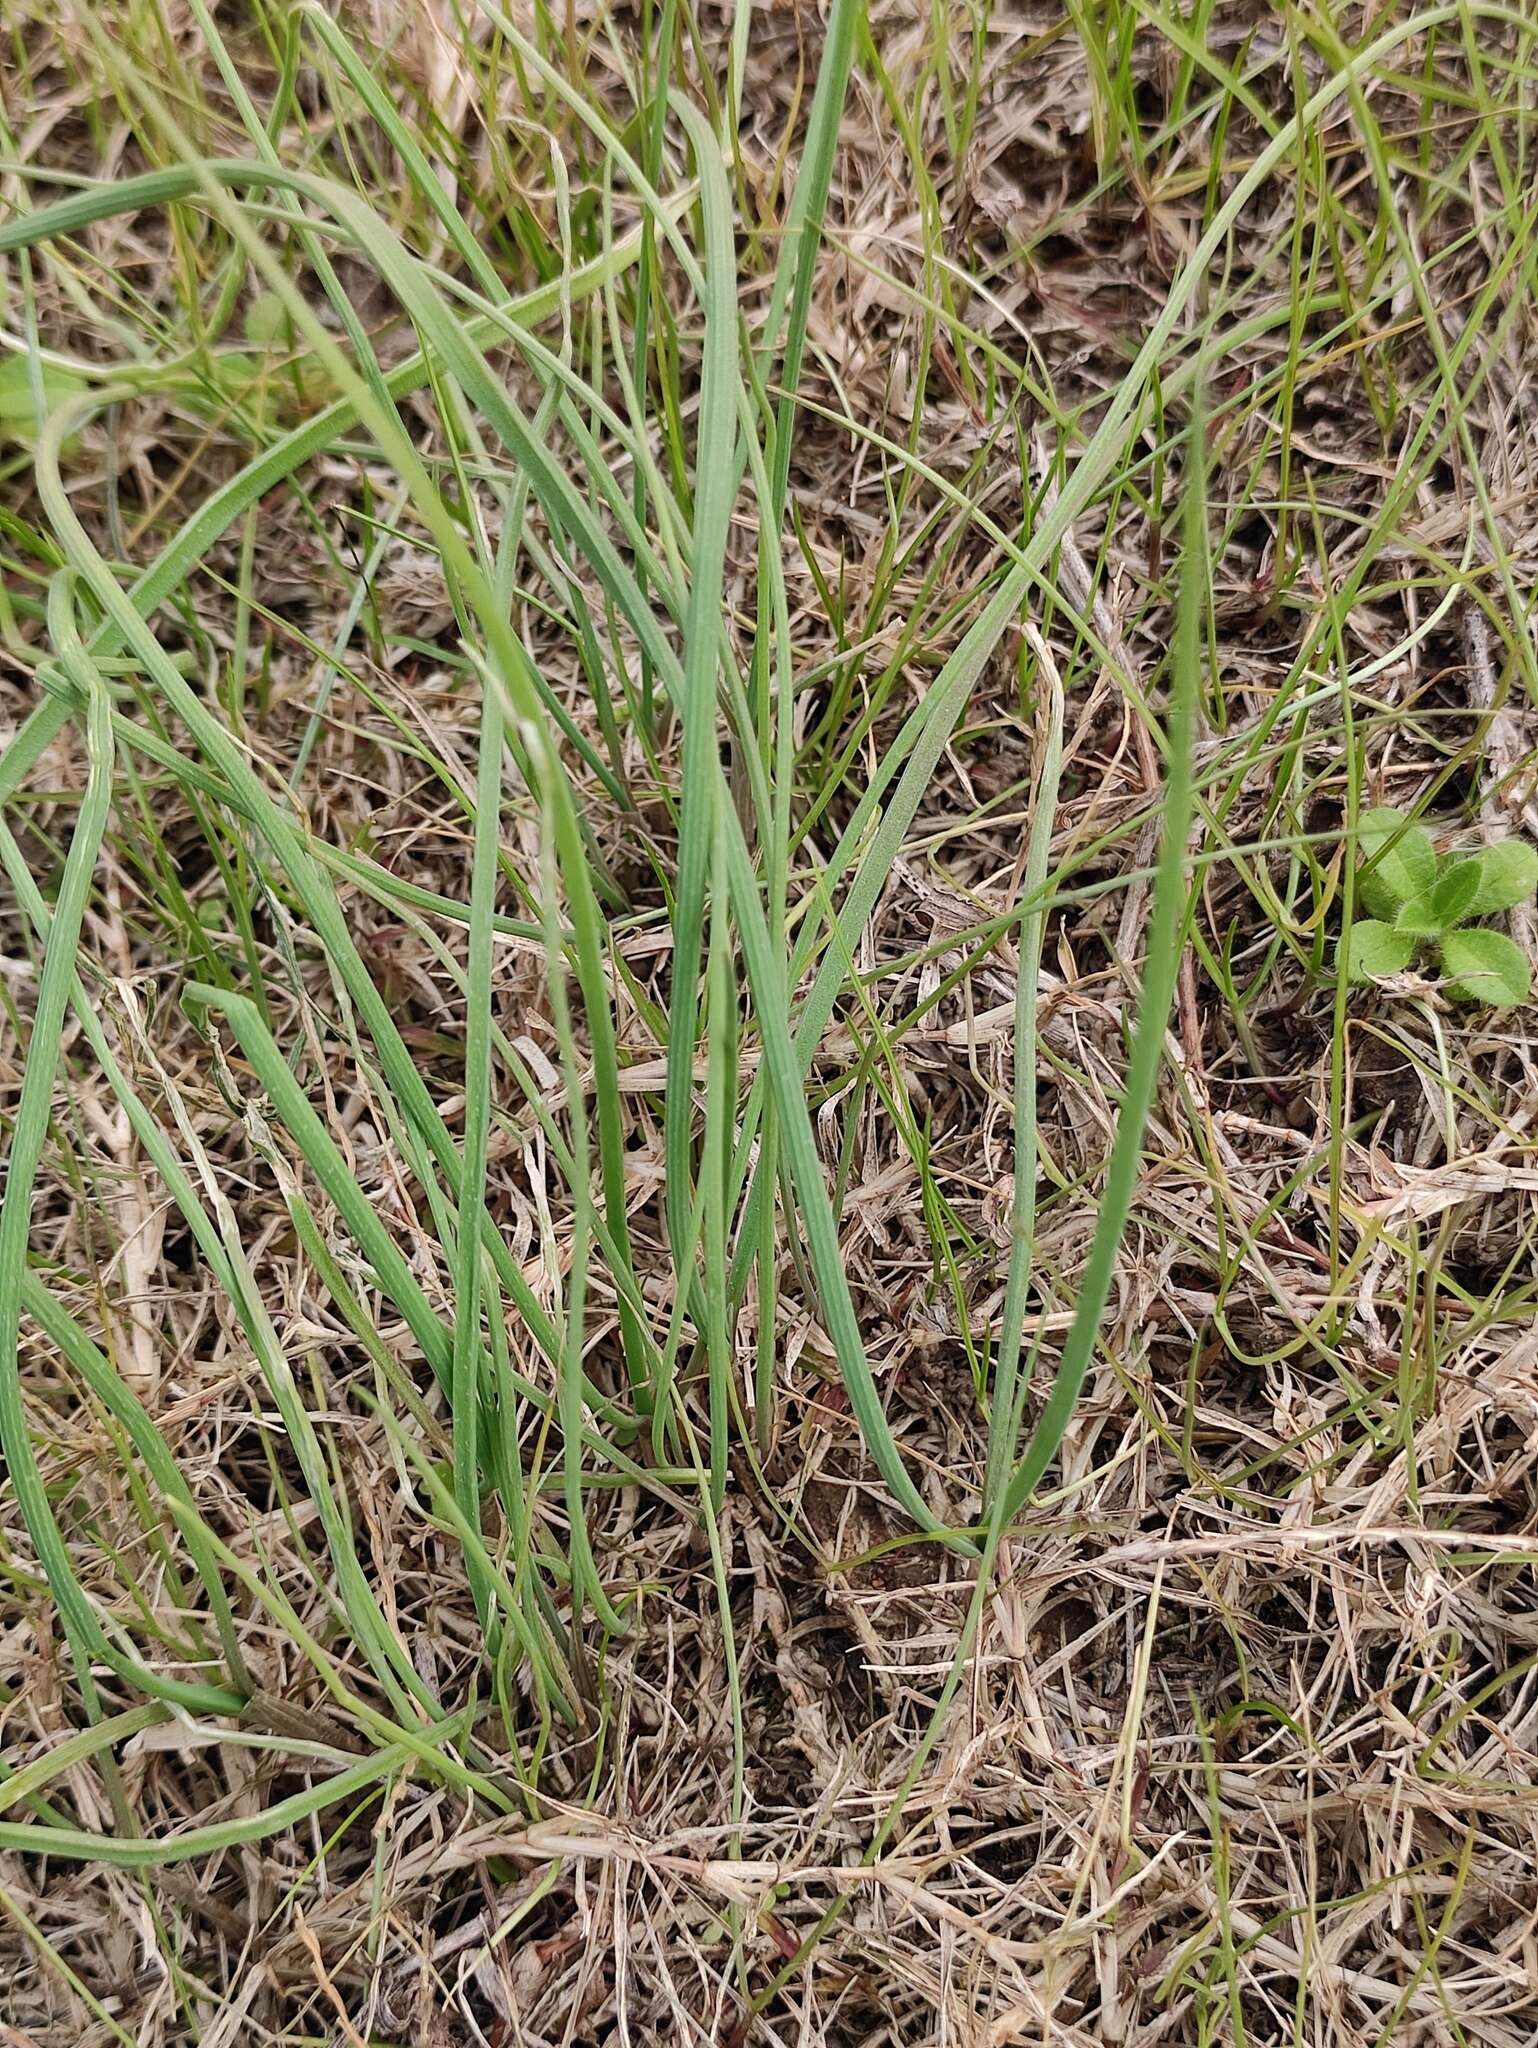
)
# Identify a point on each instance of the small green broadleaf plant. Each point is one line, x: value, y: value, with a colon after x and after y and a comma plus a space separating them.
x: 1417, y: 899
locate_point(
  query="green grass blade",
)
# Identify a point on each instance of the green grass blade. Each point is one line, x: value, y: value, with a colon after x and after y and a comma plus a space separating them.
x: 28, y: 1135
x: 79, y: 1845
x: 1003, y: 1421
x: 715, y: 489
x: 465, y: 1384
x: 1161, y: 967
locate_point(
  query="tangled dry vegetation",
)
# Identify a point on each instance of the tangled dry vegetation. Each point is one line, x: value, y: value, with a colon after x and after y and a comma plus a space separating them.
x: 1242, y: 1749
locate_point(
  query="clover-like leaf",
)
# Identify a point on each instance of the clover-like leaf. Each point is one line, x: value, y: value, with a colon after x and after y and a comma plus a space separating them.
x: 1508, y: 874
x: 1485, y: 967
x: 1402, y: 860
x: 1374, y: 948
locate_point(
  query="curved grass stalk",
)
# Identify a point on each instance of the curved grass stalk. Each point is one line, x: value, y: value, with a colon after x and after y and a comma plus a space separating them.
x: 80, y: 1845
x: 294, y: 1110
x: 87, y: 1637
x: 77, y: 1749
x: 125, y: 1407
x: 287, y: 844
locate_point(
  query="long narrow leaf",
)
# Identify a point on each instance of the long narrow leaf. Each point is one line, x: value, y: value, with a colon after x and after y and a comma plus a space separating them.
x: 1161, y: 966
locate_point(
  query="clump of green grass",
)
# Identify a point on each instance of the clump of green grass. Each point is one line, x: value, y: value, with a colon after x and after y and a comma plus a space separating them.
x: 719, y: 896
x: 580, y: 1161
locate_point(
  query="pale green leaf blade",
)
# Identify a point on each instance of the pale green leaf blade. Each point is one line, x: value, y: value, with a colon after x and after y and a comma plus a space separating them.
x: 1455, y: 891
x: 1399, y: 859
x: 1419, y: 917
x: 1374, y: 948
x: 1376, y: 827
x: 1508, y: 875
x: 1486, y: 967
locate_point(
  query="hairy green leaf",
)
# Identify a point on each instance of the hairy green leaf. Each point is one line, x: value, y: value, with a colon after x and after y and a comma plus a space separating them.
x: 1420, y: 917
x: 1486, y: 967
x: 1508, y: 874
x: 1374, y: 948
x: 1453, y: 897
x: 1400, y: 861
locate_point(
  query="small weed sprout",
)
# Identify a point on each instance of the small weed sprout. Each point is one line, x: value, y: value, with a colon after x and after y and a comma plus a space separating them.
x: 1417, y: 901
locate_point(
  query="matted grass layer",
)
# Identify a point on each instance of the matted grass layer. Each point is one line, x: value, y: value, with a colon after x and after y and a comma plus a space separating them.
x: 717, y: 1323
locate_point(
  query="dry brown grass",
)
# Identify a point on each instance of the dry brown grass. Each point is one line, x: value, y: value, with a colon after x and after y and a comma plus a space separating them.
x: 1244, y: 1751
